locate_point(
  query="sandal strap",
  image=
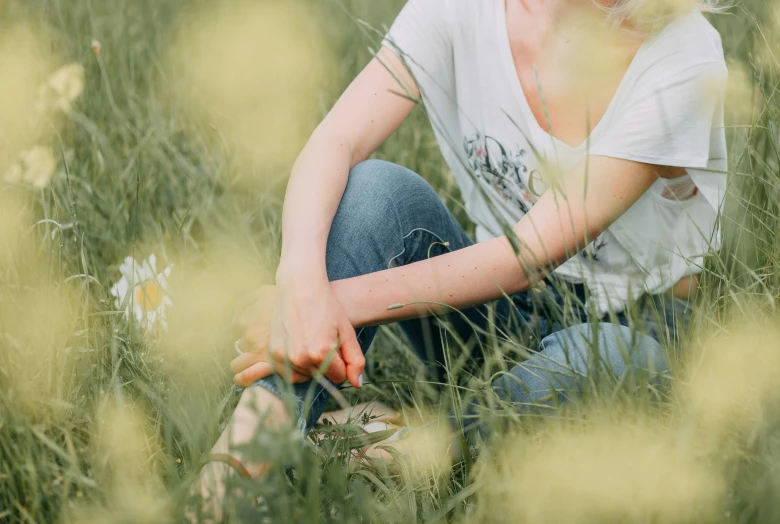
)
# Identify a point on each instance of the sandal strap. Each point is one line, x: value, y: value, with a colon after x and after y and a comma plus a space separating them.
x: 231, y: 461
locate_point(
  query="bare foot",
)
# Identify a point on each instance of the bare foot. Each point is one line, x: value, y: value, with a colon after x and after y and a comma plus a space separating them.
x: 257, y: 409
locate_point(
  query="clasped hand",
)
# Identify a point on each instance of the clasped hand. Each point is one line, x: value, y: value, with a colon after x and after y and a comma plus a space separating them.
x: 297, y: 332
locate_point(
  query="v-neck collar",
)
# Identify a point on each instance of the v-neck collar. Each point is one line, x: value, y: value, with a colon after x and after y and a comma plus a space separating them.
x: 509, y: 66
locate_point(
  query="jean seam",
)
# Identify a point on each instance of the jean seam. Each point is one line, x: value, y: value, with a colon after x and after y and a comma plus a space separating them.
x: 406, y: 236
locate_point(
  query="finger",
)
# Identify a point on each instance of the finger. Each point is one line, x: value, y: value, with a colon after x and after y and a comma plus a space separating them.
x: 352, y: 354
x: 263, y: 370
x: 244, y: 360
x: 327, y: 360
x: 253, y: 373
x: 291, y: 373
x: 337, y: 369
x: 283, y: 364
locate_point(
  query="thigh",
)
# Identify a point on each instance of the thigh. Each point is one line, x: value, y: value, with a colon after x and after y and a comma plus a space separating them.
x: 587, y: 356
x: 460, y: 340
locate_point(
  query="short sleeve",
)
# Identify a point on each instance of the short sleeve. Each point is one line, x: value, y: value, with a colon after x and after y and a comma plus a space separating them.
x: 420, y: 36
x: 668, y: 118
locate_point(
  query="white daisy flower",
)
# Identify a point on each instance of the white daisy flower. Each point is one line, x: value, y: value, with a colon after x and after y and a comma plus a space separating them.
x: 144, y: 291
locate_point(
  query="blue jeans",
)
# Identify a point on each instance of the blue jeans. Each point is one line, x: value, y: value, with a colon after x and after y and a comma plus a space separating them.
x: 389, y: 216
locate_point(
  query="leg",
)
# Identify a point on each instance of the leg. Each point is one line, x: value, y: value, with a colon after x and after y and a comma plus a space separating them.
x: 257, y: 406
x: 388, y: 216
x: 573, y: 361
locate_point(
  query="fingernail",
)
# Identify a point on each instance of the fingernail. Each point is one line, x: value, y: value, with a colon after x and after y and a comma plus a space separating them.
x: 360, y: 380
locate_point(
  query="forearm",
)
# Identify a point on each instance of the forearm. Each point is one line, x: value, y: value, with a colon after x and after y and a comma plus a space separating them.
x: 365, y: 115
x: 458, y: 280
x: 553, y: 231
x: 314, y: 191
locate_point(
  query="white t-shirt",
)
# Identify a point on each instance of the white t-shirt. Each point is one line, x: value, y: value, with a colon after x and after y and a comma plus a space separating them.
x: 668, y: 110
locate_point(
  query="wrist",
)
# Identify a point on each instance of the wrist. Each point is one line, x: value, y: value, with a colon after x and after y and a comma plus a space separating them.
x: 350, y: 295
x: 288, y: 271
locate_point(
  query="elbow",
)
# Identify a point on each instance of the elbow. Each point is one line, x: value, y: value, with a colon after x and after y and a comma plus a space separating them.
x: 329, y: 137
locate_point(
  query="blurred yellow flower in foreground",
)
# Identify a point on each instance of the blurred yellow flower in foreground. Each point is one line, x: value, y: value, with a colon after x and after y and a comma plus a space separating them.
x: 597, y: 471
x: 124, y: 452
x: 35, y: 167
x: 201, y: 333
x: 255, y: 73
x: 38, y: 326
x: 426, y: 455
x: 14, y: 220
x: 23, y: 62
x: 143, y: 291
x: 196, y: 349
x: 731, y: 382
x: 62, y: 88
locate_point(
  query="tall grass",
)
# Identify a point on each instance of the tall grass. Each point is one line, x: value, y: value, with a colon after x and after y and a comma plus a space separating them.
x: 100, y: 422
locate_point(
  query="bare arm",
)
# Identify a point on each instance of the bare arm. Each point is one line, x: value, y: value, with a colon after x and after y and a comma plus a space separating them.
x: 367, y: 113
x: 309, y: 324
x: 554, y: 230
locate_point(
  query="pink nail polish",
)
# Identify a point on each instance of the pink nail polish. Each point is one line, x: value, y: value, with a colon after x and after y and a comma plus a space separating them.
x: 360, y: 380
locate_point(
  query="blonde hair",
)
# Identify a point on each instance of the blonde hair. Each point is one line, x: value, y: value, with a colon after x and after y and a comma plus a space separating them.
x: 646, y: 17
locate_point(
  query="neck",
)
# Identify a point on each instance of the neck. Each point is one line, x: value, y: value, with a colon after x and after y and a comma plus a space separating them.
x: 554, y: 11
x: 539, y: 6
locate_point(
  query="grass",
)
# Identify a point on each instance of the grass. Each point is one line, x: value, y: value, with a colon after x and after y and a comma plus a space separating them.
x: 100, y: 422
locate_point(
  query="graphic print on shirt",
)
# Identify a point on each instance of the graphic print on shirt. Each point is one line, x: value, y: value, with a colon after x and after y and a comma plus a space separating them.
x: 490, y: 161
x: 499, y: 168
x: 592, y: 251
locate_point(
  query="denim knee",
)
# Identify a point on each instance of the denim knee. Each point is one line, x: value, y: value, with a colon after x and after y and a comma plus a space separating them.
x: 378, y: 192
x: 382, y: 202
x: 575, y: 359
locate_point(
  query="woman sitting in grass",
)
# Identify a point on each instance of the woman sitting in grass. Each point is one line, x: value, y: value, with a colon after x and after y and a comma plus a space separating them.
x: 587, y: 139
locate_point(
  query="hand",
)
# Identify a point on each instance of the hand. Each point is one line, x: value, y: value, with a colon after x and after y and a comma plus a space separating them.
x: 308, y: 327
x: 254, y: 315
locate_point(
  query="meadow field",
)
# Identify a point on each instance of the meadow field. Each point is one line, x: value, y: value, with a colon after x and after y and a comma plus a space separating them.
x: 144, y: 150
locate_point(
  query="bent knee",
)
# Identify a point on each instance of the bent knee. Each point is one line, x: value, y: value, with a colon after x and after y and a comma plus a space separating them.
x: 378, y: 198
x: 379, y: 182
